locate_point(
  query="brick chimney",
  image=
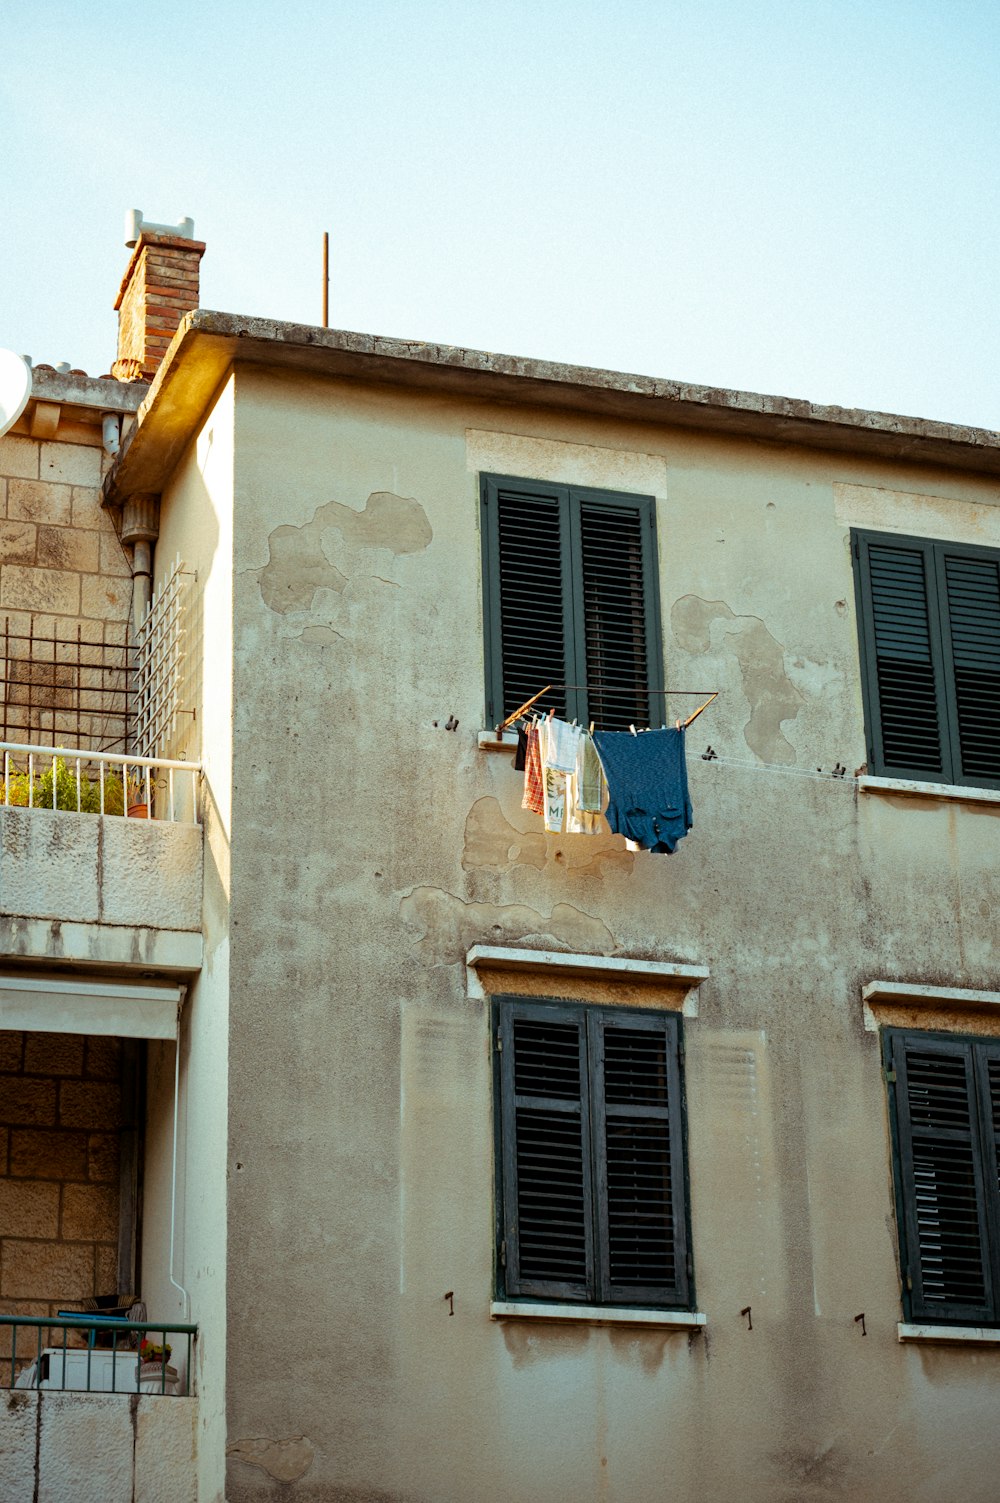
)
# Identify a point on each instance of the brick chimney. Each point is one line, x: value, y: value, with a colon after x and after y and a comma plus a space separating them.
x: 160, y: 285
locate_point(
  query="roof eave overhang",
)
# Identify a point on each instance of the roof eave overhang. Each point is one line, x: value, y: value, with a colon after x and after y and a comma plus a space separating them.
x: 208, y: 344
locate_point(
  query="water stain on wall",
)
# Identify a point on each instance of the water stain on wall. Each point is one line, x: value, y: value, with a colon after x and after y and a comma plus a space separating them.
x: 646, y: 1349
x: 492, y: 841
x: 772, y: 695
x: 526, y: 1343
x: 298, y: 557
x: 451, y: 926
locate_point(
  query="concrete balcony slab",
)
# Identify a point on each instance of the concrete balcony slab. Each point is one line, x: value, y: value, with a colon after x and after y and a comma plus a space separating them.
x: 89, y: 869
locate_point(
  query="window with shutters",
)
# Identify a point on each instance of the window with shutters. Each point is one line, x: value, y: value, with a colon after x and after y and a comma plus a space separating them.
x: 945, y: 1095
x: 929, y: 623
x: 571, y: 599
x: 591, y: 1178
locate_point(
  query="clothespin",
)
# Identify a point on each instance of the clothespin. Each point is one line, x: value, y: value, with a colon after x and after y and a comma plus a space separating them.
x: 632, y: 729
x: 591, y: 727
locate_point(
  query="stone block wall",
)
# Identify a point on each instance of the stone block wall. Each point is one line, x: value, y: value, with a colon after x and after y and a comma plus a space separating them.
x: 98, y: 1448
x: 60, y: 1121
x: 63, y: 574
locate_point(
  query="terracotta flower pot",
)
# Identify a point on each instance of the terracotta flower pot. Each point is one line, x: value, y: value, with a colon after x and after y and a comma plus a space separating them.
x: 138, y: 811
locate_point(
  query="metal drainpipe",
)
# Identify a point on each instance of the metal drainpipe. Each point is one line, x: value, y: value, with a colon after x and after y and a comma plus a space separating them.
x: 111, y: 433
x: 141, y: 528
x: 173, y: 1162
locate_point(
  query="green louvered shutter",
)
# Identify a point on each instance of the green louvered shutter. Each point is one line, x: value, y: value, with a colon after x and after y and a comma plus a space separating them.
x: 905, y: 703
x: 616, y: 616
x: 546, y: 1134
x: 929, y: 619
x: 969, y: 583
x: 571, y: 598
x: 988, y: 1080
x: 591, y: 1156
x: 527, y: 595
x: 942, y: 1178
x: 641, y: 1200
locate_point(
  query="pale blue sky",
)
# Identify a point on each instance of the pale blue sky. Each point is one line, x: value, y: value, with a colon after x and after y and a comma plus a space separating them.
x: 789, y: 196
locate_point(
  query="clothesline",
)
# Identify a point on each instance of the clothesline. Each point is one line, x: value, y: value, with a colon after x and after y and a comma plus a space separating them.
x: 684, y: 693
x: 791, y: 772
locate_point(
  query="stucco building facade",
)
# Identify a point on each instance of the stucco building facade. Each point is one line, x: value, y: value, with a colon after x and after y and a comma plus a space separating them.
x: 377, y: 917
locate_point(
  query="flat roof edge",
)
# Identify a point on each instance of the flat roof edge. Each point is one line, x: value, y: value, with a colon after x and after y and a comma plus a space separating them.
x: 224, y: 339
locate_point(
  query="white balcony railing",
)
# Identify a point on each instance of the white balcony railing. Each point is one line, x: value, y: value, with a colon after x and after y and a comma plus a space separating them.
x: 89, y: 782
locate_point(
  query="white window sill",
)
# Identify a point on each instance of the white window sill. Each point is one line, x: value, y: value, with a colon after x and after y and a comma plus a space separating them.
x: 987, y: 1335
x: 911, y: 789
x: 598, y: 1315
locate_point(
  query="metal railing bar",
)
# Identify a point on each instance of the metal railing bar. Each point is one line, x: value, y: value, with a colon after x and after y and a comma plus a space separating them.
x: 99, y: 1323
x: 93, y: 1324
x: 117, y: 759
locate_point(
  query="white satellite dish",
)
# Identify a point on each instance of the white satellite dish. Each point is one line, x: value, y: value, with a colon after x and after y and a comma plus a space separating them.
x: 15, y: 388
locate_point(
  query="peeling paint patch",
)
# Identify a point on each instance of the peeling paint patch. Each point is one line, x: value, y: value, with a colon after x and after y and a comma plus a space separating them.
x: 397, y: 523
x: 451, y: 926
x: 285, y: 1460
x: 320, y: 635
x: 299, y: 562
x: 773, y: 696
x: 492, y: 841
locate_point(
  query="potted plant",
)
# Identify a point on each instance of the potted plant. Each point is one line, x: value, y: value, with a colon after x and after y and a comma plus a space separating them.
x: 57, y: 788
x: 136, y: 804
x: 153, y: 1366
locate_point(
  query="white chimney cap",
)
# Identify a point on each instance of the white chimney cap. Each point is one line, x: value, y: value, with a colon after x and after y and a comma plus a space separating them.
x: 135, y: 224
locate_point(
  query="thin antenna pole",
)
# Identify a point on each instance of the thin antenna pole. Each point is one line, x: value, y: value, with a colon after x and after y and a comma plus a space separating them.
x: 326, y: 279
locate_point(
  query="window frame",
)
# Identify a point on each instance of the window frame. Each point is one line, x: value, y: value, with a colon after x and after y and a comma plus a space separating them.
x: 977, y: 1048
x: 603, y: 1294
x: 934, y: 552
x: 569, y: 499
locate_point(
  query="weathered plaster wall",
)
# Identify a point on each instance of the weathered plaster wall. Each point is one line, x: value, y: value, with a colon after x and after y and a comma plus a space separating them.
x: 197, y: 513
x: 372, y: 846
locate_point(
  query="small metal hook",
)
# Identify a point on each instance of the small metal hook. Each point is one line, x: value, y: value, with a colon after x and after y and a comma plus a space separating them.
x: 746, y: 1311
